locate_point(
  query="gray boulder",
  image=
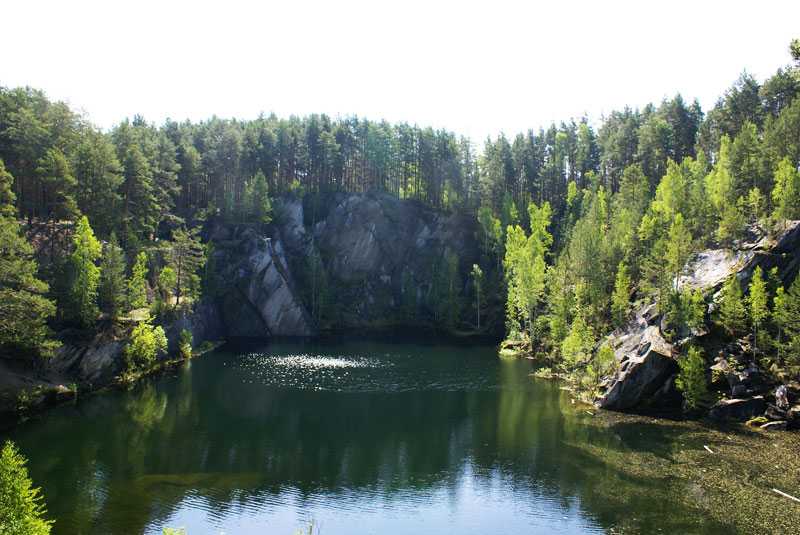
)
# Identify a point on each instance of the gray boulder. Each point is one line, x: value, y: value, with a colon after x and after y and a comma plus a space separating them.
x: 96, y: 362
x: 646, y: 368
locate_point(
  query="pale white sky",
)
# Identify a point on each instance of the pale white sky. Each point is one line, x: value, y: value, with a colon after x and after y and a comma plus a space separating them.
x: 476, y: 68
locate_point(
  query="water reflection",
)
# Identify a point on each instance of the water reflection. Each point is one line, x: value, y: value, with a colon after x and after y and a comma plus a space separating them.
x: 396, y: 438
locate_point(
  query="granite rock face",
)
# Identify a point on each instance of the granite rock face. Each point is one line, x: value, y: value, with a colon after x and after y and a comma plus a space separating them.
x: 259, y: 298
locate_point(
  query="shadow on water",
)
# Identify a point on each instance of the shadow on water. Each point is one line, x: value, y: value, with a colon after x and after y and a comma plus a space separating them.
x: 379, y: 431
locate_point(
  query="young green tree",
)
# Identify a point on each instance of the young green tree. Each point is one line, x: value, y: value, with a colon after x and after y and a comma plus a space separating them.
x: 112, y: 278
x: 732, y: 311
x: 786, y: 191
x: 757, y: 299
x: 167, y: 280
x: 137, y: 283
x: 691, y: 380
x: 85, y: 274
x: 22, y: 509
x: 576, y: 349
x: 525, y: 267
x: 620, y: 299
x: 679, y: 247
x: 24, y: 309
x: 477, y: 282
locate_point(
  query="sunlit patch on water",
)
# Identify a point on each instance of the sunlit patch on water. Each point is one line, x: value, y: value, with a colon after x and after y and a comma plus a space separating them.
x: 314, y: 362
x: 312, y: 371
x: 372, y: 372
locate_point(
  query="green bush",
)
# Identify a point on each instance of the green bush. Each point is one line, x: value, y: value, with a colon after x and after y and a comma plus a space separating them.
x: 146, y: 342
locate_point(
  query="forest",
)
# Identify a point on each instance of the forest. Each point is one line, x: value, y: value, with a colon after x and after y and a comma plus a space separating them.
x: 577, y: 221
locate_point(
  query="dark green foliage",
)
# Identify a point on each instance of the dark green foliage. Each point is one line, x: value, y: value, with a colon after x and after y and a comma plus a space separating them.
x: 22, y: 510
x: 445, y: 298
x: 24, y: 309
x: 112, y: 279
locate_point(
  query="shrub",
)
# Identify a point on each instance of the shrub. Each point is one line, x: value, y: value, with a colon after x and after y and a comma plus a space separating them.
x: 185, y: 343
x: 146, y: 342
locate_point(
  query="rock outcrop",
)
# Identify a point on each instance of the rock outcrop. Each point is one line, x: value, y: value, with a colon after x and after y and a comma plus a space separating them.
x: 646, y: 365
x: 647, y: 361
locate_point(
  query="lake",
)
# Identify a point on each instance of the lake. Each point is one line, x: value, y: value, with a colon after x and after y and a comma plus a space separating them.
x: 383, y: 438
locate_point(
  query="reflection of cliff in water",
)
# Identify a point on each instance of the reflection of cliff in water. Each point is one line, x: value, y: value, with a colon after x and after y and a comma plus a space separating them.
x: 211, y: 438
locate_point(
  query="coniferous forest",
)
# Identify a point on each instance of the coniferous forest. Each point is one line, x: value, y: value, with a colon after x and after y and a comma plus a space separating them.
x: 576, y: 221
x: 579, y: 227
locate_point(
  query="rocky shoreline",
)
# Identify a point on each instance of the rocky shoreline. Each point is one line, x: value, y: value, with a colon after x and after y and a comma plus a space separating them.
x: 647, y: 360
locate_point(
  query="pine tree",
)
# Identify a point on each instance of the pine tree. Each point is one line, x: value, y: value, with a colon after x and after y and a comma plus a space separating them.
x: 186, y: 256
x: 757, y: 304
x: 137, y: 283
x: 22, y: 510
x: 85, y: 274
x: 24, y: 310
x: 112, y: 278
x: 258, y: 203
x: 732, y: 311
x: 620, y: 299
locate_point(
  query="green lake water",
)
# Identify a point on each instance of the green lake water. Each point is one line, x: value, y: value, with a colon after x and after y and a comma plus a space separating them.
x: 382, y: 438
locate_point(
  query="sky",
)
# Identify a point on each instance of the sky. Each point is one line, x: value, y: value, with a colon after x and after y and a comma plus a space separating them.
x: 476, y: 68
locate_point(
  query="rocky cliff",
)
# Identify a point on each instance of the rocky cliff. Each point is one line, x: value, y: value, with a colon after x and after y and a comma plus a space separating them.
x: 647, y: 361
x: 339, y: 261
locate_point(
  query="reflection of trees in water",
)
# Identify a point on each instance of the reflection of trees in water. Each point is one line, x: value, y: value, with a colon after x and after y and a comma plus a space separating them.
x: 172, y: 439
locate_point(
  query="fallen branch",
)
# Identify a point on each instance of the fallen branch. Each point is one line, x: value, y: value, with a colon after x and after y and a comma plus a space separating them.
x: 786, y: 495
x: 708, y: 449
